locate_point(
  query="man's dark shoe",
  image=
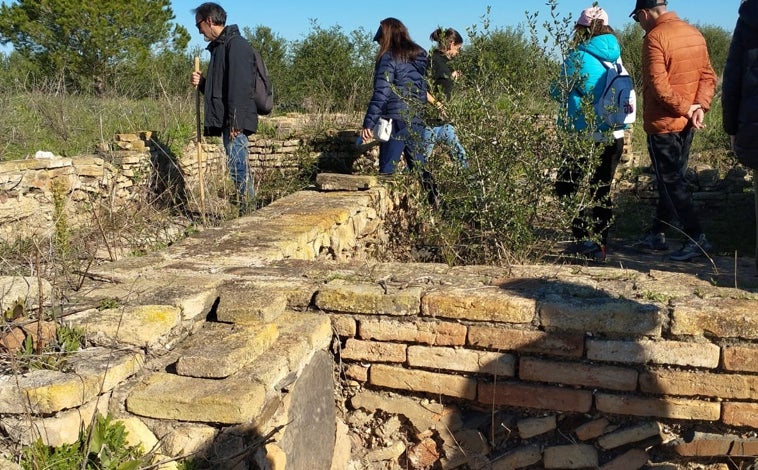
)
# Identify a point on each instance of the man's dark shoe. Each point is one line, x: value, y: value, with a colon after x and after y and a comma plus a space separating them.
x: 653, y: 241
x: 692, y: 249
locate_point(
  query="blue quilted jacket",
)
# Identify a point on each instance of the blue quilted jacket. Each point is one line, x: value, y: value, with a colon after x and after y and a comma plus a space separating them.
x: 408, y: 80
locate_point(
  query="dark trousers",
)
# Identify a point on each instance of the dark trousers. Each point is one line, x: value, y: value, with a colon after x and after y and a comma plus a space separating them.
x: 670, y: 154
x: 596, y: 219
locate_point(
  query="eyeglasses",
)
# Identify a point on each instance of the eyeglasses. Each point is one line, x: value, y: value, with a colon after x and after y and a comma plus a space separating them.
x: 197, y: 25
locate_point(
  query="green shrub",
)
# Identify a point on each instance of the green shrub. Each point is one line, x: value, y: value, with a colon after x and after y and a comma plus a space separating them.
x: 102, y: 447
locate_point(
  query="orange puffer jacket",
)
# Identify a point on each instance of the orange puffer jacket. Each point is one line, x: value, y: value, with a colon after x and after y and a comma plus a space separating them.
x: 676, y: 73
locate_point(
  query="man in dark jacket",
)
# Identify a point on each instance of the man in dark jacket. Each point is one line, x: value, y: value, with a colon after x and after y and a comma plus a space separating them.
x: 740, y: 92
x: 230, y: 110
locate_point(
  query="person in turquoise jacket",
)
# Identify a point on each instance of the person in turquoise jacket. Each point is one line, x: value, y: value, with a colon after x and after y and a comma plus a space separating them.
x: 583, y: 76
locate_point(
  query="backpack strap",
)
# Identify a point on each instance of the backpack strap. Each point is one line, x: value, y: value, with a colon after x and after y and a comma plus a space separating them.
x: 617, y: 65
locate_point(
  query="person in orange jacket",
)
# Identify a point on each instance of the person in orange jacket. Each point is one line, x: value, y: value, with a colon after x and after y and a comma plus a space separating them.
x: 678, y: 84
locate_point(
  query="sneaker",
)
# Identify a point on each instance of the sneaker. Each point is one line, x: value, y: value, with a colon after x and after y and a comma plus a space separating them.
x: 653, y: 241
x: 586, y: 249
x: 692, y: 249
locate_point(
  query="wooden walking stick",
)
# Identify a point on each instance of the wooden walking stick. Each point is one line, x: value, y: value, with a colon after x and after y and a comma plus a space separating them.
x: 199, y: 145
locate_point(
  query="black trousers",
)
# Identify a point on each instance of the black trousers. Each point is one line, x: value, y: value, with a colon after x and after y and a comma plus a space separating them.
x: 596, y: 220
x: 670, y: 154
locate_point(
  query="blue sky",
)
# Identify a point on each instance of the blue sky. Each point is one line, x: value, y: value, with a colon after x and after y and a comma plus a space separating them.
x: 291, y: 18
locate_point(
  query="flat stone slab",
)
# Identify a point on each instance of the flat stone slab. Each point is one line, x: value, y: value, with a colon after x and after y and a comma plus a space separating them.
x: 220, y: 349
x: 140, y: 325
x: 370, y: 299
x: 170, y: 396
x: 339, y: 182
x: 249, y: 302
x: 88, y: 373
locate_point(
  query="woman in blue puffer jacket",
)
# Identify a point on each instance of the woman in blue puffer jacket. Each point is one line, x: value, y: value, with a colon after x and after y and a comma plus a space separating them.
x: 584, y: 75
x: 400, y: 95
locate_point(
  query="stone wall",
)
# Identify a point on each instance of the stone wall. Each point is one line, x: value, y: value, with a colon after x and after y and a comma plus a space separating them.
x: 137, y: 164
x: 226, y: 340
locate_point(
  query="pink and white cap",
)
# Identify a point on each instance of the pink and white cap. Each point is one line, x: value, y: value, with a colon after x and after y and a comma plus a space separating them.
x: 590, y: 14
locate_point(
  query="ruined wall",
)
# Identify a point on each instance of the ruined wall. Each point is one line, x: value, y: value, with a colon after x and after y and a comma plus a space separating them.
x: 212, y: 342
x: 136, y: 165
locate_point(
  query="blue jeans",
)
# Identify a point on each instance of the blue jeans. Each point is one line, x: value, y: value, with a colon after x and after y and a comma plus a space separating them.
x: 408, y: 141
x: 445, y: 134
x: 238, y: 164
x: 403, y: 141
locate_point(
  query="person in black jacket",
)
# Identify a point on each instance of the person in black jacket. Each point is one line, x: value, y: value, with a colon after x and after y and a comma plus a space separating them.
x: 399, y: 70
x: 230, y: 110
x: 442, y: 77
x: 739, y: 97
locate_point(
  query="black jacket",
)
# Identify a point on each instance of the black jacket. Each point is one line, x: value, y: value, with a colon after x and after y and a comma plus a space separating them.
x: 228, y: 85
x: 440, y: 85
x: 740, y: 86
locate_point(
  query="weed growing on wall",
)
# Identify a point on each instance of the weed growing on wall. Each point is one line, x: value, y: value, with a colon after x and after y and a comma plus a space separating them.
x: 102, y: 446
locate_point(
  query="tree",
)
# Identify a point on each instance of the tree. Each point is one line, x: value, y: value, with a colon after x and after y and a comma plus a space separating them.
x: 85, y: 42
x: 331, y: 70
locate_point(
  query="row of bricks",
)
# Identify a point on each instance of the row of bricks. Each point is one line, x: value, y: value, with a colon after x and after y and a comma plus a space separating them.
x: 375, y: 335
x: 575, y: 374
x: 554, y: 398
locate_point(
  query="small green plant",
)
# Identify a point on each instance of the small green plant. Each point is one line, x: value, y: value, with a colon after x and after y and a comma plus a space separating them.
x: 69, y: 339
x: 54, y: 356
x: 102, y: 447
x: 108, y: 303
x: 654, y: 296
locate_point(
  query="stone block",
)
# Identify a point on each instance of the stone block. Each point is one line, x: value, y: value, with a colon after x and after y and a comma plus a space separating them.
x: 592, y: 430
x: 369, y: 299
x: 604, y: 316
x: 422, y: 381
x: 522, y: 457
x: 420, y: 331
x: 462, y: 360
x: 220, y: 349
x: 684, y: 383
x: 95, y: 370
x: 571, y: 456
x: 247, y: 302
x: 308, y: 439
x: 571, y: 373
x: 345, y: 326
x: 727, y: 318
x: 701, y: 444
x: 632, y: 459
x: 526, y: 341
x: 533, y: 396
x: 740, y: 414
x: 482, y: 304
x: 56, y: 430
x: 339, y: 182
x: 140, y: 325
x: 226, y: 401
x: 740, y: 358
x: 372, y: 351
x: 528, y: 428
x: 678, y: 353
x: 629, y: 435
x: 673, y: 408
